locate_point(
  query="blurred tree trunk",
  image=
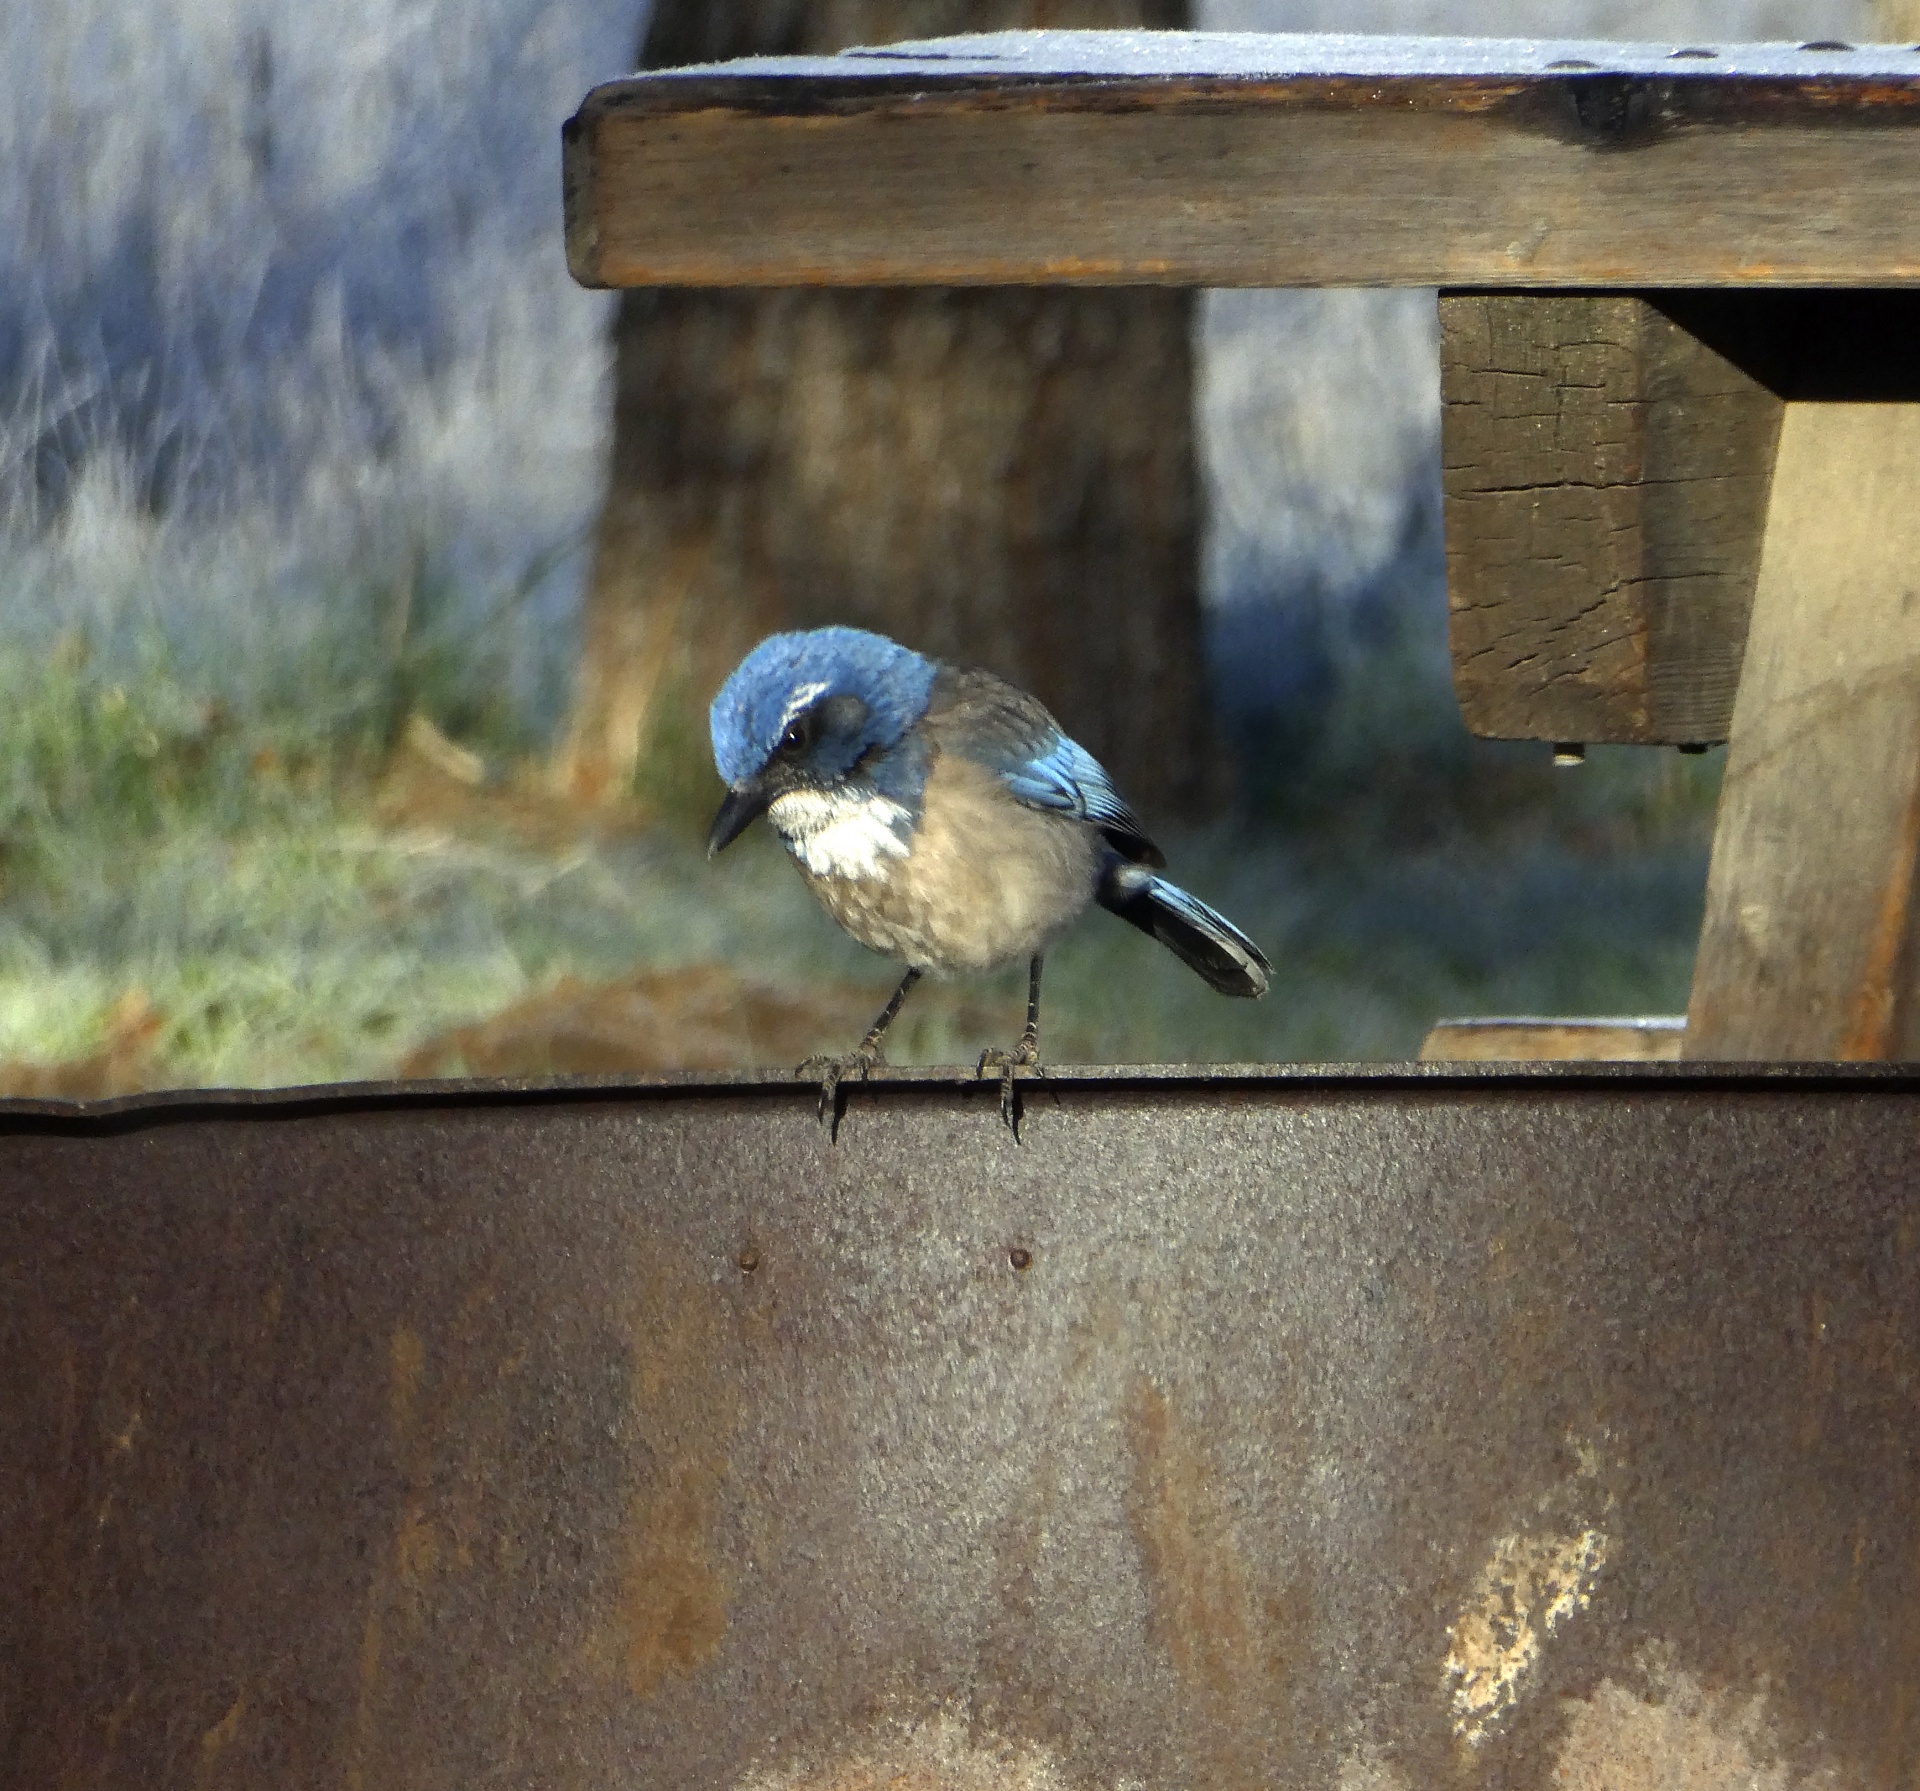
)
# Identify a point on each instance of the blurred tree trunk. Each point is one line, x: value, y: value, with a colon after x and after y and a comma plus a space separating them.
x: 1003, y: 476
x: 1896, y: 21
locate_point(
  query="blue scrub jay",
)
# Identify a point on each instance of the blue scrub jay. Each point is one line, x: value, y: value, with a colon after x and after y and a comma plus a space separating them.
x: 944, y: 820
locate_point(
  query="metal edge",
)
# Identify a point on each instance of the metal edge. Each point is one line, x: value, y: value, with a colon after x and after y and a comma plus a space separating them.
x: 184, y: 1105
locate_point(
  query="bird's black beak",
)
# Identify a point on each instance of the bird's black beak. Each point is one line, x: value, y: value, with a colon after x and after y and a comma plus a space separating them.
x: 740, y: 808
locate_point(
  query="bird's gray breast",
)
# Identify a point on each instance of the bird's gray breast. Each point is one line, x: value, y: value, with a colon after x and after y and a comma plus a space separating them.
x: 982, y: 881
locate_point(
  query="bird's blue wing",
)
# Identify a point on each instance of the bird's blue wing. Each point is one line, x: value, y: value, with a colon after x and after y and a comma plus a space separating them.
x: 1061, y: 774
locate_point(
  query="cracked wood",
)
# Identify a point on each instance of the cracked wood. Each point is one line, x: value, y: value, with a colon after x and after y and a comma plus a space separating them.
x: 1606, y: 462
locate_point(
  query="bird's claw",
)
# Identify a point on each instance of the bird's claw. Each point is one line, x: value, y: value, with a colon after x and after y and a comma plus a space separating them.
x: 1024, y: 1056
x: 830, y: 1072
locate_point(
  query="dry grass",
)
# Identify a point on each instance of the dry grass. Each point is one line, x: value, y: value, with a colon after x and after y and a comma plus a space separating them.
x: 186, y: 904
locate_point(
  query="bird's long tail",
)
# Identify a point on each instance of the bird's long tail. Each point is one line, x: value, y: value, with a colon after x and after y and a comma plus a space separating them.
x: 1187, y: 927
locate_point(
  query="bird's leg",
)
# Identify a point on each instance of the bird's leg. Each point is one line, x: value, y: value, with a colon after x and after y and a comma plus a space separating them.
x: 1022, y: 1056
x: 1028, y: 1050
x: 830, y: 1070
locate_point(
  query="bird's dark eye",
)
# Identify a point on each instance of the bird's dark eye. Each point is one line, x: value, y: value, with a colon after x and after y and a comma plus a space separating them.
x: 800, y: 733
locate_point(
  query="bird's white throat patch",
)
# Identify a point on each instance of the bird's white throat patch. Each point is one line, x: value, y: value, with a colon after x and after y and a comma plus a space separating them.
x: 836, y: 833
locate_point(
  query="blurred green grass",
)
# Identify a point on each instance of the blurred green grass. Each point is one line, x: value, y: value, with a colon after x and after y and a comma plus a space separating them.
x: 234, y: 859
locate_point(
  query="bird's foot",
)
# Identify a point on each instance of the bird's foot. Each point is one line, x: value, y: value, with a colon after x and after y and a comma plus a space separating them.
x: 1024, y: 1056
x: 830, y: 1073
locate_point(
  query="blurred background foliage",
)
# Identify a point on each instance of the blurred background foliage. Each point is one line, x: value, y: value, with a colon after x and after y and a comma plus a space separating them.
x: 303, y: 435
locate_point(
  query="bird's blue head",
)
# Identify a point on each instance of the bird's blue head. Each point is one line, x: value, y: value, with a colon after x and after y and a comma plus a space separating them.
x: 801, y: 711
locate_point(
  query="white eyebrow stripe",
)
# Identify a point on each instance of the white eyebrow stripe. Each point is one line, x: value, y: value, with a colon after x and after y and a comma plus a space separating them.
x: 801, y: 698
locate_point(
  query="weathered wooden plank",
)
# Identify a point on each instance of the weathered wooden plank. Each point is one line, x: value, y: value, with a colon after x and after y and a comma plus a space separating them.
x: 1654, y: 1039
x: 1606, y: 473
x: 1119, y: 158
x: 1808, y: 946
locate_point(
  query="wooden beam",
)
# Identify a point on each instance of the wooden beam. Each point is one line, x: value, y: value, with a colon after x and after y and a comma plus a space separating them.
x: 1655, y: 1039
x: 1808, y: 949
x: 1182, y: 159
x: 1607, y: 459
x: 1606, y: 470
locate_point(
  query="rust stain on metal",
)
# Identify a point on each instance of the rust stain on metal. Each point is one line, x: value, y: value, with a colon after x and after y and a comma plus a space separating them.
x: 216, y: 1741
x: 1239, y: 1642
x: 416, y: 1547
x: 673, y: 1604
x: 1195, y: 1576
x: 399, y: 1585
x: 221, y: 1735
x: 401, y: 1565
x: 365, y: 1708
x: 406, y: 1356
x: 945, y: 1752
x: 1366, y: 1769
x: 1663, y: 1730
x: 672, y: 1612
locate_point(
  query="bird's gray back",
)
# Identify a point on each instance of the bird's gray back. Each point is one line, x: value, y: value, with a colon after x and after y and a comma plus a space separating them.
x: 980, y: 717
x: 977, y: 713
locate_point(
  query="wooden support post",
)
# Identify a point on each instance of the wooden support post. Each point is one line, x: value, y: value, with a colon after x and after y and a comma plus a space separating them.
x: 1808, y: 947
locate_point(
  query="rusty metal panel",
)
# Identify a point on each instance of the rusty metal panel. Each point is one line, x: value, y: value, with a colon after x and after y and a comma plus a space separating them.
x: 1373, y: 1431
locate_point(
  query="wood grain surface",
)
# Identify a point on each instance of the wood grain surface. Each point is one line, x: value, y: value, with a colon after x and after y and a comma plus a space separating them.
x: 1808, y: 945
x: 1522, y: 170
x: 1653, y: 1039
x: 1606, y: 471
